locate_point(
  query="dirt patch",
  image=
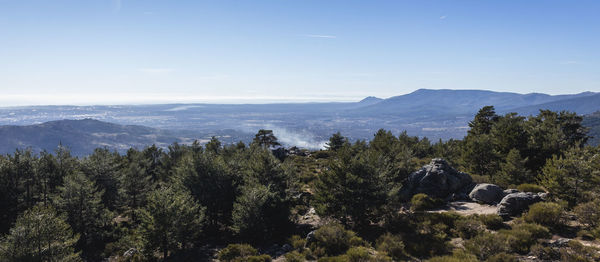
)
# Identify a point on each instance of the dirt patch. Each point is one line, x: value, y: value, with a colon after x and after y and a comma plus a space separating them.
x: 467, y: 208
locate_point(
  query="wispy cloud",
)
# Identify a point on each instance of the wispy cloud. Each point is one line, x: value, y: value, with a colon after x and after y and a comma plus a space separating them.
x: 156, y: 70
x: 148, y: 13
x: 322, y: 36
x: 443, y: 17
x: 570, y: 62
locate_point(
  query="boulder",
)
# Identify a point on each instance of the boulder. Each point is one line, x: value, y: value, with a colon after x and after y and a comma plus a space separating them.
x: 437, y: 179
x: 130, y: 252
x: 514, y: 204
x: 310, y: 237
x: 510, y: 191
x: 487, y: 193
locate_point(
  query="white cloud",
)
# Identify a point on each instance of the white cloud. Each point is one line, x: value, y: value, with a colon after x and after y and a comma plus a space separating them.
x: 322, y: 36
x: 443, y: 17
x: 570, y: 62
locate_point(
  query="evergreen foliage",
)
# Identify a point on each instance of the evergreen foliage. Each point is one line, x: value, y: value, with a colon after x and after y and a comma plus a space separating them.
x: 39, y: 234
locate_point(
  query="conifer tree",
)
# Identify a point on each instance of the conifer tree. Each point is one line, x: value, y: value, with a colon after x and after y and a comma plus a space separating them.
x: 513, y: 171
x: 170, y: 221
x: 39, y: 234
x: 81, y: 201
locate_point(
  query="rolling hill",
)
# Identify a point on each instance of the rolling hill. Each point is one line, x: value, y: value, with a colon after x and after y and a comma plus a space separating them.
x: 82, y: 136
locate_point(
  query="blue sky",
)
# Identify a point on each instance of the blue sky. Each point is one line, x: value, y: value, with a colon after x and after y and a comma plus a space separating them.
x: 147, y: 51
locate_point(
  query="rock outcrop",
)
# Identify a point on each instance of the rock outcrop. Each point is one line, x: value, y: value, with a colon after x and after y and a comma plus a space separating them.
x: 487, y: 193
x: 514, y: 204
x: 437, y: 179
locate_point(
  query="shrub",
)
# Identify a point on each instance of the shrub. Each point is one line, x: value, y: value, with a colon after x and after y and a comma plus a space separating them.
x: 321, y: 154
x: 531, y: 188
x: 421, y: 202
x: 468, y: 227
x: 331, y: 240
x: 523, y: 235
x: 294, y: 256
x: 297, y: 242
x: 545, y: 253
x: 391, y: 245
x: 492, y: 221
x: 458, y: 255
x: 235, y: 252
x: 578, y: 252
x: 260, y: 258
x: 588, y: 213
x: 537, y: 231
x: 502, y: 257
x: 545, y: 213
x: 585, y: 234
x: 342, y: 258
x: 358, y: 254
x: 487, y: 244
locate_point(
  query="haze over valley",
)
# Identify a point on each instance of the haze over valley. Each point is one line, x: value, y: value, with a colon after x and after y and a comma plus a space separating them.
x: 435, y: 114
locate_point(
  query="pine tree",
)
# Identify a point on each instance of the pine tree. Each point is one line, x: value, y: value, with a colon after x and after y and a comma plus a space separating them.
x: 483, y: 121
x: 170, y: 221
x: 336, y: 141
x: 352, y: 190
x: 39, y: 234
x: 82, y: 202
x: 572, y: 176
x: 514, y: 171
x: 265, y: 138
x: 478, y: 155
x: 250, y: 212
x: 135, y: 184
x: 209, y: 181
x: 102, y: 167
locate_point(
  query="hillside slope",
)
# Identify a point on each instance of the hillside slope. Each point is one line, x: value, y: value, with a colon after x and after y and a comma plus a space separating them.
x: 82, y: 136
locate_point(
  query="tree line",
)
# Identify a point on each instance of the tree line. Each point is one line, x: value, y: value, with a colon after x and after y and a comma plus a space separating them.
x: 169, y: 203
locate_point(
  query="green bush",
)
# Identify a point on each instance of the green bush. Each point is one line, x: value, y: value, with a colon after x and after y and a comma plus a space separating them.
x: 297, y: 242
x: 468, y: 227
x: 458, y: 255
x: 523, y: 235
x: 391, y: 245
x: 545, y: 253
x: 502, y: 257
x: 487, y: 244
x: 545, y: 213
x: 235, y: 252
x: 260, y: 258
x: 358, y: 254
x: 537, y: 231
x: 421, y: 202
x: 531, y: 188
x: 492, y: 221
x: 588, y: 213
x: 321, y: 154
x: 331, y: 240
x: 578, y: 252
x: 295, y: 256
x: 342, y: 258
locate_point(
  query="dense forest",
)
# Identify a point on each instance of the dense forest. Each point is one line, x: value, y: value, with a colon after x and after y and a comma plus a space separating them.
x: 263, y: 202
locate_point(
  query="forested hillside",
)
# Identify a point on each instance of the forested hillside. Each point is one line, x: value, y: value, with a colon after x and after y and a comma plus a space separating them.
x: 351, y: 202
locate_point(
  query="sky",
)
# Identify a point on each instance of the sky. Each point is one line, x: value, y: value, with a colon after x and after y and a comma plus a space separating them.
x: 167, y: 51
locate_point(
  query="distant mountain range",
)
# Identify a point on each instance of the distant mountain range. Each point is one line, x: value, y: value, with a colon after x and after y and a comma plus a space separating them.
x: 437, y: 114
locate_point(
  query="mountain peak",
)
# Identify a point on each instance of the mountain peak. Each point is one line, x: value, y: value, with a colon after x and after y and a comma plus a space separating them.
x: 370, y: 100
